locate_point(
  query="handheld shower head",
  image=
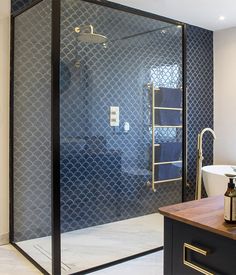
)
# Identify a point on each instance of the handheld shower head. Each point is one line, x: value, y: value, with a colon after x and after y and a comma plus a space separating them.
x: 87, y: 35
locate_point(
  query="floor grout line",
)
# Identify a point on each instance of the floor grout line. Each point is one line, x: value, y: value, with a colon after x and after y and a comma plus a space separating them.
x: 45, y: 253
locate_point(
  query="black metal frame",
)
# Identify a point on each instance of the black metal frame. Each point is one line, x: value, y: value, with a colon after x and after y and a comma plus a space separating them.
x: 55, y: 126
x: 184, y: 85
x: 120, y: 261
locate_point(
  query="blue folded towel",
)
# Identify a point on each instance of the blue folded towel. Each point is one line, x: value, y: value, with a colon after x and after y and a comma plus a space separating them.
x: 167, y: 117
x: 167, y: 171
x: 168, y: 151
x: 168, y: 97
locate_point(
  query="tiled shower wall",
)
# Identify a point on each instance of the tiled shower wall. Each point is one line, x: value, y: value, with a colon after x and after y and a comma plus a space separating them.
x: 200, y: 98
x: 32, y: 123
x: 18, y: 5
x: 104, y: 170
x: 108, y: 192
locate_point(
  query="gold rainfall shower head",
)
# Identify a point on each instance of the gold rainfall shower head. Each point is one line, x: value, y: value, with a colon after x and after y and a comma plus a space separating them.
x: 86, y: 34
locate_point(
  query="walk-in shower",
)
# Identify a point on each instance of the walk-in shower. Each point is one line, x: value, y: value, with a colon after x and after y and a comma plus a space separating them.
x: 97, y: 131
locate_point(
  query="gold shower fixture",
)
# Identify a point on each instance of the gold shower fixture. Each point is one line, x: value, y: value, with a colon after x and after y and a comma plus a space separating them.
x: 86, y: 34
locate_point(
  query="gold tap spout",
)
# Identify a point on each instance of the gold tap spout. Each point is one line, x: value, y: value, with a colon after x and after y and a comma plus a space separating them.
x: 200, y: 158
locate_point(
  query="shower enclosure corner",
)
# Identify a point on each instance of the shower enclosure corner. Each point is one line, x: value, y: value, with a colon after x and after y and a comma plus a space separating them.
x: 98, y: 132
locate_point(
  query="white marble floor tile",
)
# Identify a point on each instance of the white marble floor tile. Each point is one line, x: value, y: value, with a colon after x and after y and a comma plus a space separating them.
x: 90, y: 247
x: 12, y: 262
x: 151, y: 264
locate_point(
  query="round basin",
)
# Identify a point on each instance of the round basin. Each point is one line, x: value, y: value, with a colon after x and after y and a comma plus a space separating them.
x: 214, y: 178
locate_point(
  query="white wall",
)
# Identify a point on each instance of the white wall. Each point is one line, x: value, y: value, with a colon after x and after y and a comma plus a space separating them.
x: 4, y: 121
x: 225, y: 96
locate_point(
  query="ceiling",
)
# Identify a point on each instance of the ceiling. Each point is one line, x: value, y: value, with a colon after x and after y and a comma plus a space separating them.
x: 202, y: 13
x: 4, y: 8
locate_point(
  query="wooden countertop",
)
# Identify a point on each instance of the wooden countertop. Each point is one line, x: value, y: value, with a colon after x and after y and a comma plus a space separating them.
x: 206, y: 214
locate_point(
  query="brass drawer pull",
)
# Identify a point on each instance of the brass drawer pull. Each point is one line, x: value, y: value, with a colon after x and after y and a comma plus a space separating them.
x: 191, y: 265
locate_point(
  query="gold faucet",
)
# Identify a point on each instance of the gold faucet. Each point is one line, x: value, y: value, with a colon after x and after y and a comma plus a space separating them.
x: 198, y: 191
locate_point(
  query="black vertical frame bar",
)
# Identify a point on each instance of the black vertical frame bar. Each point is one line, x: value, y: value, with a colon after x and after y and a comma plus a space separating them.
x: 184, y: 85
x: 11, y: 135
x: 55, y: 125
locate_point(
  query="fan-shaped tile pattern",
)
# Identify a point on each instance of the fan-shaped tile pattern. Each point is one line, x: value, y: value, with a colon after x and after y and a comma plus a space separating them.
x: 104, y: 170
x: 32, y: 127
x: 83, y: 183
x: 200, y: 98
x: 18, y: 5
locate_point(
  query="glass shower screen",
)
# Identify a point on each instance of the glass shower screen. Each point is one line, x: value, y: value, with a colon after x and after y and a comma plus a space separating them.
x: 121, y: 135
x: 32, y: 133
x: 109, y: 210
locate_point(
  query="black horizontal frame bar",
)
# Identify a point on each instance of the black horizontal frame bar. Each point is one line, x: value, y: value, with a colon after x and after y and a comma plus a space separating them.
x: 120, y: 7
x: 120, y: 261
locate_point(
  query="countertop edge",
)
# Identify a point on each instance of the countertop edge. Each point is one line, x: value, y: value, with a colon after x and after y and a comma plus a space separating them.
x: 172, y: 213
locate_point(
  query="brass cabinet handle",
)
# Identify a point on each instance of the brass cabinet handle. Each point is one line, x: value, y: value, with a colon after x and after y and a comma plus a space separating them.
x: 191, y: 265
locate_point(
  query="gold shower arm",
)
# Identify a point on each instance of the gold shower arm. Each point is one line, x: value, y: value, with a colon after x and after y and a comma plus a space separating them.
x: 198, y: 190
x: 81, y: 27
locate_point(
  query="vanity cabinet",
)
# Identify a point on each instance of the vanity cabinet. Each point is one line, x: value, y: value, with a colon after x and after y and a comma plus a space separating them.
x: 197, y: 240
x: 192, y: 251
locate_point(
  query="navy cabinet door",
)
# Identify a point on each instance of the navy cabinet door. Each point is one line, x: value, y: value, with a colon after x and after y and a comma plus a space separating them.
x: 219, y: 261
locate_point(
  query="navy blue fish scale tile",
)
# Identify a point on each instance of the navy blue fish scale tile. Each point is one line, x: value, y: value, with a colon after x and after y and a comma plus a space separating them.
x: 200, y: 98
x: 18, y: 5
x: 32, y: 116
x: 104, y: 171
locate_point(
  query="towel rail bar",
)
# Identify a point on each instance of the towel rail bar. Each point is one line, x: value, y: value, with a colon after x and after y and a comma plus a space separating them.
x: 149, y: 184
x: 153, y: 137
x: 168, y: 126
x: 167, y: 162
x: 168, y: 108
x: 169, y: 180
x: 152, y: 183
x: 151, y: 86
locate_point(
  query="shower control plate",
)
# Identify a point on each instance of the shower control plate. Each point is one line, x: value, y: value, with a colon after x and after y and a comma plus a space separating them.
x: 114, y: 116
